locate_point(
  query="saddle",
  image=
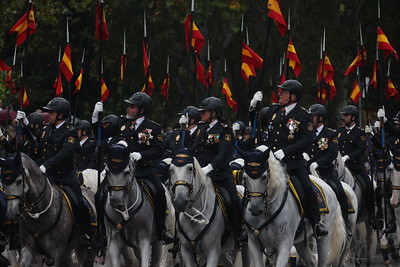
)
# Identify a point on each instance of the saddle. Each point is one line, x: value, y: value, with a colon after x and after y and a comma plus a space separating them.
x: 72, y: 203
x: 361, y: 184
x: 149, y: 190
x: 350, y: 205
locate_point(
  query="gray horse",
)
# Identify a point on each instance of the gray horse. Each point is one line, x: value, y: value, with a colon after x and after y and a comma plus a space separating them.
x: 129, y: 213
x: 46, y: 223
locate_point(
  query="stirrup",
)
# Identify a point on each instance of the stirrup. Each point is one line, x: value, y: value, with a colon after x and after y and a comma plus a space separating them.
x: 320, y: 230
x: 167, y: 237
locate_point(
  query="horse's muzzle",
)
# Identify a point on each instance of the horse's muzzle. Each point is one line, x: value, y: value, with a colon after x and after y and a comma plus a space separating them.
x: 116, y: 204
x: 180, y: 203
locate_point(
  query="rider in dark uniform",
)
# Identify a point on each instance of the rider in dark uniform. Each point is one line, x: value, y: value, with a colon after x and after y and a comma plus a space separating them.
x: 32, y: 133
x: 352, y: 146
x: 290, y: 132
x: 86, y: 146
x: 323, y: 152
x: 57, y: 145
x: 214, y: 153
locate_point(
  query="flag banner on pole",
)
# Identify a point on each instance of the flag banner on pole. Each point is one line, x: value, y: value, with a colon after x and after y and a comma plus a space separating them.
x: 283, y: 79
x: 78, y: 82
x: 146, y: 62
x: 122, y: 62
x: 23, y: 98
x: 9, y: 81
x: 274, y: 98
x: 3, y: 66
x: 357, y: 62
x: 391, y: 91
x: 26, y: 25
x: 66, y: 64
x: 250, y: 57
x: 332, y: 89
x: 165, y: 87
x: 294, y: 61
x: 328, y: 70
x: 58, y: 85
x: 197, y: 38
x: 247, y: 71
x: 322, y: 95
x: 101, y: 31
x: 104, y: 90
x: 275, y: 13
x: 226, y: 90
x: 355, y: 93
x: 374, y: 80
x: 200, y: 72
x: 383, y: 44
x: 209, y: 75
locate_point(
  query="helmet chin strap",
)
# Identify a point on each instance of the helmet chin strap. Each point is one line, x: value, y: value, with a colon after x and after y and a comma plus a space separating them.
x: 290, y: 101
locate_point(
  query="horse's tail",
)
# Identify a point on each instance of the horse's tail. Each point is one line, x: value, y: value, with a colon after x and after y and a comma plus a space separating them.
x: 337, y: 243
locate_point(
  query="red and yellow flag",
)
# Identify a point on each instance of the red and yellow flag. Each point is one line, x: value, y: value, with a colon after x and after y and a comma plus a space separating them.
x: 9, y: 81
x: 250, y: 57
x: 104, y: 90
x: 283, y: 79
x: 247, y: 71
x: 197, y: 38
x: 23, y: 98
x: 357, y: 62
x: 274, y: 98
x: 3, y: 66
x: 58, y: 85
x: 78, y: 82
x: 146, y: 62
x: 66, y: 64
x: 293, y: 59
x: 374, y: 80
x: 150, y: 86
x: 328, y: 70
x: 25, y: 26
x: 165, y: 87
x: 383, y: 44
x: 275, y: 13
x: 228, y: 95
x: 355, y: 93
x: 322, y: 95
x: 101, y: 25
x: 209, y: 75
x: 332, y: 89
x: 122, y: 62
x: 200, y: 72
x: 391, y: 91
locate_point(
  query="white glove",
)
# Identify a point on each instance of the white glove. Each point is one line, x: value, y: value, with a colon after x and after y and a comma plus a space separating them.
x: 368, y: 130
x: 97, y: 109
x: 1, y: 133
x: 258, y: 96
x: 377, y: 125
x: 136, y: 156
x: 306, y: 156
x: 381, y: 114
x: 22, y: 116
x: 235, y: 128
x: 207, y: 169
x: 279, y: 154
x: 345, y: 158
x: 314, y: 166
x: 183, y: 120
x: 42, y: 169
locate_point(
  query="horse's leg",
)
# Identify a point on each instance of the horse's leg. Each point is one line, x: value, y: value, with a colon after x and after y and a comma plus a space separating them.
x: 26, y: 257
x: 188, y: 257
x: 372, y: 241
x: 323, y: 250
x: 255, y: 251
x: 227, y: 259
x: 113, y: 249
x: 212, y: 253
x: 144, y: 252
x: 156, y: 250
x: 305, y: 254
x: 246, y: 260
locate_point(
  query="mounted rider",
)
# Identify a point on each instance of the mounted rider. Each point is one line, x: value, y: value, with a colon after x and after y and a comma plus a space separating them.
x: 352, y: 146
x: 214, y: 152
x: 322, y: 153
x: 290, y: 129
x: 86, y: 146
x: 57, y: 145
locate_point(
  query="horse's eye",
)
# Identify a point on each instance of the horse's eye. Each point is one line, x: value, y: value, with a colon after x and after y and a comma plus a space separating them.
x: 126, y: 172
x: 170, y: 171
x: 190, y: 169
x: 18, y: 182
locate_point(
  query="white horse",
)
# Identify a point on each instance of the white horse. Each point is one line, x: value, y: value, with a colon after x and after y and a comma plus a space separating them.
x: 200, y: 224
x: 130, y: 216
x: 272, y: 215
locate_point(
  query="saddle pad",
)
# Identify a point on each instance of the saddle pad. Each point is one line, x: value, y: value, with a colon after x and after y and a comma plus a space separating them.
x: 298, y: 192
x: 150, y: 191
x: 224, y: 201
x: 71, y: 200
x: 349, y: 203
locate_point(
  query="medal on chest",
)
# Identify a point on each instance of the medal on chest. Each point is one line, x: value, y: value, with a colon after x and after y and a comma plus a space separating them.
x: 293, y: 127
x: 323, y: 143
x: 145, y: 137
x: 213, y: 138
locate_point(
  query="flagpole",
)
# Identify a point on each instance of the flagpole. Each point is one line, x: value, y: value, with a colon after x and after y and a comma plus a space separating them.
x: 239, y: 87
x: 288, y: 40
x: 322, y: 83
x: 362, y: 76
x: 123, y: 60
x: 146, y: 50
x: 78, y: 92
x: 188, y: 57
x: 264, y: 65
x: 166, y: 94
x: 210, y: 87
x: 69, y: 83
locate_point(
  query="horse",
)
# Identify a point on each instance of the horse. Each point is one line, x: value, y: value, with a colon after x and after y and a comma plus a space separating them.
x: 201, y: 227
x: 46, y: 223
x: 129, y: 213
x: 365, y: 240
x: 272, y: 215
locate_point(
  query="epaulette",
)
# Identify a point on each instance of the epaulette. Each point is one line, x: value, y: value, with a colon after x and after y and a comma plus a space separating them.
x: 122, y: 116
x: 224, y: 125
x: 155, y: 123
x: 201, y: 122
x: 276, y: 104
x: 333, y: 130
x: 306, y: 110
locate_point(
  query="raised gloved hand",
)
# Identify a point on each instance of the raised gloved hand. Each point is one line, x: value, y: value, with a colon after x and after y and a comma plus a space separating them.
x: 42, y: 169
x: 279, y: 154
x: 306, y: 156
x: 382, y: 114
x: 258, y: 96
x: 313, y: 165
x: 368, y: 130
x: 183, y: 120
x: 22, y: 117
x: 345, y: 158
x: 98, y: 107
x: 207, y: 169
x: 136, y: 156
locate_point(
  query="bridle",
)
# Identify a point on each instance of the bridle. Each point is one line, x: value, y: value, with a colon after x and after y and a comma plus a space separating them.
x: 189, y: 185
x: 252, y: 194
x: 128, y: 187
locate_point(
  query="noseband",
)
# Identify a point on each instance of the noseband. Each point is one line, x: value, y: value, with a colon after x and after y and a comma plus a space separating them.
x: 189, y: 185
x: 264, y: 195
x: 127, y: 187
x: 25, y: 179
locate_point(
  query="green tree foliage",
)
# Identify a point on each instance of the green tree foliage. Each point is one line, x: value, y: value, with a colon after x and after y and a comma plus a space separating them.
x: 219, y: 21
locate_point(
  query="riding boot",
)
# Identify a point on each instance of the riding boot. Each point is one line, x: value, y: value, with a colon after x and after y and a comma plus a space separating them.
x: 101, y: 240
x: 160, y: 213
x: 342, y: 198
x: 320, y: 229
x: 84, y: 221
x: 391, y: 226
x: 15, y: 242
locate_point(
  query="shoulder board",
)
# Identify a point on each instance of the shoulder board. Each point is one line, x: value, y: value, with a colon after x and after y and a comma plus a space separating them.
x: 306, y: 110
x: 122, y: 116
x: 276, y: 104
x: 155, y: 123
x: 201, y: 122
x: 224, y: 125
x: 330, y: 129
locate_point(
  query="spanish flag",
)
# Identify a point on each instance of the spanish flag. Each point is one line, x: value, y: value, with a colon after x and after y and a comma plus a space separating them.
x: 25, y: 26
x: 101, y: 25
x: 200, y: 72
x: 294, y: 61
x: 228, y: 95
x: 146, y: 62
x: 122, y: 62
x: 66, y: 64
x: 247, y: 71
x: 78, y: 82
x: 328, y: 70
x: 357, y: 62
x: 322, y: 95
x: 374, y: 80
x: 58, y: 85
x: 391, y: 91
x: 332, y: 89
x: 383, y: 44
x: 250, y: 57
x: 165, y: 87
x: 104, y: 90
x: 355, y: 93
x: 23, y: 98
x: 197, y: 38
x: 275, y: 13
x: 3, y: 66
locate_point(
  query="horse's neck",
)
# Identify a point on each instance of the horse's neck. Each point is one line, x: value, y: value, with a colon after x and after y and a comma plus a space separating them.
x: 36, y: 187
x: 202, y: 194
x: 136, y: 192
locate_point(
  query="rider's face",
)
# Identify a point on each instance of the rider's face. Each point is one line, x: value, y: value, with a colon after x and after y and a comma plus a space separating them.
x: 52, y: 117
x: 132, y: 112
x: 206, y: 116
x: 315, y: 120
x: 347, y: 119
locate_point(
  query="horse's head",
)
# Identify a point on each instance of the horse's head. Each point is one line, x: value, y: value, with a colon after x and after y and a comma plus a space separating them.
x: 15, y: 182
x: 120, y: 171
x: 182, y: 177
x: 256, y: 178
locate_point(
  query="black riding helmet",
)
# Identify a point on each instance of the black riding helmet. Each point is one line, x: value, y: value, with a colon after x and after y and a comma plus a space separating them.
x: 192, y: 112
x: 142, y: 100
x: 293, y: 87
x: 35, y: 118
x: 213, y: 104
x: 242, y: 127
x: 83, y: 125
x: 350, y: 109
x: 318, y: 109
x: 111, y: 129
x: 60, y: 105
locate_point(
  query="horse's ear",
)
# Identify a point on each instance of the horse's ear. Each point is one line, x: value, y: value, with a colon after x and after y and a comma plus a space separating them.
x: 242, y: 153
x: 265, y: 154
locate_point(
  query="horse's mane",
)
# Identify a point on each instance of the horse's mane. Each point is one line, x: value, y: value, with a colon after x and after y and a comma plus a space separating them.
x: 200, y: 175
x: 30, y: 166
x: 277, y: 181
